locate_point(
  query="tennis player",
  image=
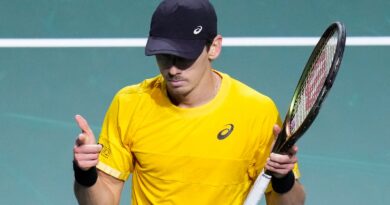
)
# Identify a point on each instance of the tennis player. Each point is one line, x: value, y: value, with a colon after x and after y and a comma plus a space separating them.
x: 191, y: 135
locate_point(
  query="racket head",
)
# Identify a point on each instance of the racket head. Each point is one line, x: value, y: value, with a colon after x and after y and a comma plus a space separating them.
x: 313, y: 86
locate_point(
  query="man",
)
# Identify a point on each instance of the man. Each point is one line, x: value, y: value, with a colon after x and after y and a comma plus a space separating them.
x: 192, y: 135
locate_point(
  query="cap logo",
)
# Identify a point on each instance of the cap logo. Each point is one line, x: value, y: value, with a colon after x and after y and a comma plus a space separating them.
x: 197, y: 30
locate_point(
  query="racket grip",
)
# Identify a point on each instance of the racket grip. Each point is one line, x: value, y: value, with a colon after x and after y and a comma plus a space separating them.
x: 258, y: 189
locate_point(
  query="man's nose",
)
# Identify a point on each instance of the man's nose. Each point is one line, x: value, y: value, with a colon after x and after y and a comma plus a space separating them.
x: 174, y: 70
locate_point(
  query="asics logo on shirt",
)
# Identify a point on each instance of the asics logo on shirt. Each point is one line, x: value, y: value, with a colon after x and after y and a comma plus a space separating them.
x: 225, y: 132
x: 106, y: 151
x: 197, y: 30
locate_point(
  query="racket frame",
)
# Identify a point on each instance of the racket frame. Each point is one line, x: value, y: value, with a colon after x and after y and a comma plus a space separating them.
x: 285, y: 139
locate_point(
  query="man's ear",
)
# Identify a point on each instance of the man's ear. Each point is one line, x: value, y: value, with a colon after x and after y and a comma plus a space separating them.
x: 215, y: 48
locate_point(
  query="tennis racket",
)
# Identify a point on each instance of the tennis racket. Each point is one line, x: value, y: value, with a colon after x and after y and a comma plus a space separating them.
x: 316, y: 80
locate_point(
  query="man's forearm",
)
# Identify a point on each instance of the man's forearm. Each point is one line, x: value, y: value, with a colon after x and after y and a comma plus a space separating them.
x: 93, y: 195
x: 296, y: 196
x: 106, y: 190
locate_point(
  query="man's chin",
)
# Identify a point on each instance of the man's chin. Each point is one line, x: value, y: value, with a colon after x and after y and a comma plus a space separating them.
x: 177, y: 91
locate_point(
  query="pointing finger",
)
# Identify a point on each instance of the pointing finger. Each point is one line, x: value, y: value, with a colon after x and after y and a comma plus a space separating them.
x: 88, y: 137
x: 83, y: 124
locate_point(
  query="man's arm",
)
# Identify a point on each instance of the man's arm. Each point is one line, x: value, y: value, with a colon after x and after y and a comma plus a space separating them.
x: 106, y: 190
x: 92, y: 186
x: 295, y: 196
x: 281, y: 165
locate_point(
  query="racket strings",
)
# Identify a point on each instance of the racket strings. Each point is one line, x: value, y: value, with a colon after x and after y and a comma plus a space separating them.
x: 313, y: 83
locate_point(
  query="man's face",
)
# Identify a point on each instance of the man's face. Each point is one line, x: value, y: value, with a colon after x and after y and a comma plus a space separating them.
x: 183, y: 76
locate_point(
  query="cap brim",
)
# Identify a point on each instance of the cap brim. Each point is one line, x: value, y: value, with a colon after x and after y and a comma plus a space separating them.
x: 189, y: 49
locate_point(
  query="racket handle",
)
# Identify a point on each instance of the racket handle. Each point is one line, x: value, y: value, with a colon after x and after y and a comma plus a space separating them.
x: 258, y: 189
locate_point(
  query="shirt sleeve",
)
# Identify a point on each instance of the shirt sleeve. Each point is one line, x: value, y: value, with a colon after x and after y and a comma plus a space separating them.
x: 265, y: 144
x: 265, y: 141
x: 115, y: 158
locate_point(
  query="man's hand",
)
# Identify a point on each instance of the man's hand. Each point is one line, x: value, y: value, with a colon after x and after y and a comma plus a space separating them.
x: 85, y: 151
x: 281, y: 164
x: 91, y: 185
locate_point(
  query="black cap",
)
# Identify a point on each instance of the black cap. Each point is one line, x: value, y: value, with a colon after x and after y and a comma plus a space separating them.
x: 181, y: 28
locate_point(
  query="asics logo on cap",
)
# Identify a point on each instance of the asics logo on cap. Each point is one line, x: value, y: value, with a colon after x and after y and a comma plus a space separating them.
x: 197, y: 30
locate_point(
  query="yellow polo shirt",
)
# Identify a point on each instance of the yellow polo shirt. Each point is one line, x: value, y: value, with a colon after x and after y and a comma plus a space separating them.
x: 209, y: 154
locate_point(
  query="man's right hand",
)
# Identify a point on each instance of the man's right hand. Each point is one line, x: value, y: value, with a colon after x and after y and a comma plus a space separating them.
x: 85, y: 151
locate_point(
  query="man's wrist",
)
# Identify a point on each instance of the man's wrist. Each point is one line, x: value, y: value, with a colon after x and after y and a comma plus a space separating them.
x: 85, y: 178
x: 284, y: 184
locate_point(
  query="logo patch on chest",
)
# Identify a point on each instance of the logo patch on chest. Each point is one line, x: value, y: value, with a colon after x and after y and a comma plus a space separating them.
x: 225, y: 132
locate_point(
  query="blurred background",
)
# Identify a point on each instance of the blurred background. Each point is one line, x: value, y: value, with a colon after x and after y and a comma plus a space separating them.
x: 344, y: 157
